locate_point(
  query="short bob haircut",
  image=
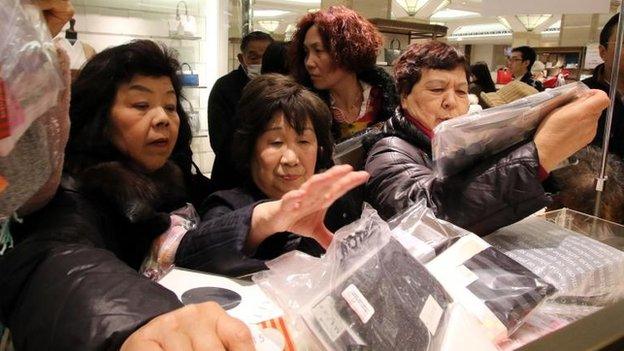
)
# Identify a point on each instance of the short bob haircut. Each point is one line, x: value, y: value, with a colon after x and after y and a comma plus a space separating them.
x: 267, y: 95
x: 430, y: 55
x: 93, y: 95
x: 351, y: 40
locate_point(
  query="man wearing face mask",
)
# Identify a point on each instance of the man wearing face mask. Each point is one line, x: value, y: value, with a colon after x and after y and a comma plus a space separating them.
x: 222, y: 106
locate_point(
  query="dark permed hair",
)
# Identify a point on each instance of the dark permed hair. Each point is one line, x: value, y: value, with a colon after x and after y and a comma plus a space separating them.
x: 267, y: 95
x: 429, y: 55
x: 93, y: 95
x: 351, y: 40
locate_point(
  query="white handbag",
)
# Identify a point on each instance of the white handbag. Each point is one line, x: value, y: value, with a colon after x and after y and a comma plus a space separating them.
x: 182, y: 25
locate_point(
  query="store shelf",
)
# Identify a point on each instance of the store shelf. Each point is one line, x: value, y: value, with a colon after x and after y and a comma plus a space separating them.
x: 412, y: 29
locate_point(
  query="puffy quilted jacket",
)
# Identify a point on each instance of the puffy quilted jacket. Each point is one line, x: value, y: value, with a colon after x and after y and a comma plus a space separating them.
x: 490, y: 195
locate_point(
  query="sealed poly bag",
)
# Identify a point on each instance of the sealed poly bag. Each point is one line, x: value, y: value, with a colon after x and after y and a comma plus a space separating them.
x: 29, y: 70
x: 585, y: 271
x: 161, y: 257
x: 367, y: 293
x: 422, y: 234
x: 462, y: 142
x: 499, y: 291
x: 351, y: 151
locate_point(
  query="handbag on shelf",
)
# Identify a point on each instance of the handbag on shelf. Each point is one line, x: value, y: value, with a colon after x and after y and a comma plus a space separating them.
x: 188, y: 79
x: 182, y: 25
x: 193, y: 116
x: 391, y: 54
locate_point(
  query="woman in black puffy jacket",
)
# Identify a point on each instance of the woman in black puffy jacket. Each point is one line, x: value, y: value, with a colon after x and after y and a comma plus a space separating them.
x: 432, y: 80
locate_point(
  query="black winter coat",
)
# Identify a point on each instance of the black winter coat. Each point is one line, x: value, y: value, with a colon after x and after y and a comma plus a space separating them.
x: 226, y: 221
x: 222, y: 103
x: 495, y: 193
x: 64, y: 286
x: 71, y: 282
x: 616, y: 142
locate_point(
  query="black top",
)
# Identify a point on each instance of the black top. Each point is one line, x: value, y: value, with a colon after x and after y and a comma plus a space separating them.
x: 528, y: 79
x: 222, y: 102
x: 616, y: 140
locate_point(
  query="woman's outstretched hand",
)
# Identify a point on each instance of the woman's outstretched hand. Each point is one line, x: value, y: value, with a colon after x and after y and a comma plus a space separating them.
x: 302, y: 211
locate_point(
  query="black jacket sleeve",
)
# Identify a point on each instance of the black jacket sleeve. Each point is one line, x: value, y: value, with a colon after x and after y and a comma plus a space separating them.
x: 62, y: 290
x: 220, y: 114
x: 217, y: 244
x: 495, y: 193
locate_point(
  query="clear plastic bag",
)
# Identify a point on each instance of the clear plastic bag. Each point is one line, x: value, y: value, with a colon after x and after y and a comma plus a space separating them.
x: 462, y: 142
x: 585, y: 271
x: 161, y: 257
x: 29, y: 69
x: 351, y: 151
x: 367, y: 292
x: 422, y: 234
x: 499, y: 291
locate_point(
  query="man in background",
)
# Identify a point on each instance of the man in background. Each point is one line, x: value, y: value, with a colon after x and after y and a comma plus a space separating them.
x: 600, y: 80
x: 222, y: 103
x: 520, y: 63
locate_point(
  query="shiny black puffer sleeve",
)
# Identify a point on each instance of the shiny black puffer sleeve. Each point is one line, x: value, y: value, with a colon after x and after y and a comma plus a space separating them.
x: 494, y: 193
x: 62, y: 290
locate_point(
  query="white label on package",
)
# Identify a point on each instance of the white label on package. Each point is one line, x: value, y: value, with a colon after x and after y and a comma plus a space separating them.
x: 431, y: 314
x: 326, y: 315
x: 358, y: 303
x: 465, y: 276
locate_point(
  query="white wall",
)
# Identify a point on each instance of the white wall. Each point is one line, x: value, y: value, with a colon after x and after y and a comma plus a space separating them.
x: 482, y: 52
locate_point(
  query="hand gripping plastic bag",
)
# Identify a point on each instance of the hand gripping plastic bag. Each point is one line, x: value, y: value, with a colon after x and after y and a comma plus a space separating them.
x: 462, y: 142
x: 161, y: 257
x: 367, y: 293
x: 29, y: 70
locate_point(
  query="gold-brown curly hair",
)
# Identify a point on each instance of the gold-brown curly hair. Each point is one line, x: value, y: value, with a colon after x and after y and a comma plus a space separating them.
x: 352, y: 41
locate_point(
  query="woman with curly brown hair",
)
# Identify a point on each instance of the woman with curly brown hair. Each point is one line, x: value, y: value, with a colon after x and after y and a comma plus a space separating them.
x: 334, y: 51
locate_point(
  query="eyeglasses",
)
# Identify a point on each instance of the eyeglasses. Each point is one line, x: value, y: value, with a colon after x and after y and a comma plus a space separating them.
x: 514, y: 59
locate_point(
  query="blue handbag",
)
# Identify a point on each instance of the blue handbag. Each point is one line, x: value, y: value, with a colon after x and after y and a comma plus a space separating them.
x: 188, y: 79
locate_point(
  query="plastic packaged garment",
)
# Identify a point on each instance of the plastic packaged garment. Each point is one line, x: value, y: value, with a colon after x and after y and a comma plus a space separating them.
x: 462, y: 142
x: 585, y: 271
x: 499, y: 291
x: 366, y: 293
x: 161, y: 257
x: 351, y: 151
x: 422, y: 234
x: 29, y: 69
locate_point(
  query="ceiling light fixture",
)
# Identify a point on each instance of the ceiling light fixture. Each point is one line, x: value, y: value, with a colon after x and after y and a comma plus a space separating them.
x: 412, y: 6
x: 530, y: 22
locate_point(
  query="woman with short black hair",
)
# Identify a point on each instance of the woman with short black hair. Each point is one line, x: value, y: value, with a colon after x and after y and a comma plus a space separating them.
x: 283, y: 140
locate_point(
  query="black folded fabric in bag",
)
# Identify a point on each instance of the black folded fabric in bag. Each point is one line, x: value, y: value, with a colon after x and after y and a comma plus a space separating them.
x: 499, y: 291
x: 398, y: 305
x: 506, y: 287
